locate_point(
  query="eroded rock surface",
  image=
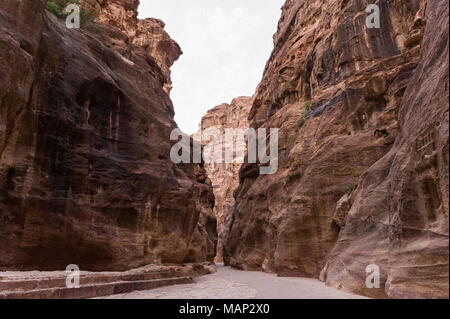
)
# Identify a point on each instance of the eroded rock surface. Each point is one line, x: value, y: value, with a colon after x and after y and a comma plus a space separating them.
x: 352, y: 111
x: 225, y: 176
x: 399, y: 220
x: 85, y: 122
x: 148, y: 33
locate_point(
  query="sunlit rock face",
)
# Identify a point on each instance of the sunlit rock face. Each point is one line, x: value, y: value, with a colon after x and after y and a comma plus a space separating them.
x: 225, y: 176
x: 85, y: 122
x: 145, y: 33
x: 363, y: 168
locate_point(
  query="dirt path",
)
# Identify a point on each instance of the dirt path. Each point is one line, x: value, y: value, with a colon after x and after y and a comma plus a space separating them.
x: 230, y: 283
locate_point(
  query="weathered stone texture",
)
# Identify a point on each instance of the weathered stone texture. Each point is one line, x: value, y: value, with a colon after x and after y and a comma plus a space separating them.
x: 148, y: 33
x: 225, y: 176
x: 399, y: 220
x: 85, y: 123
x: 352, y: 111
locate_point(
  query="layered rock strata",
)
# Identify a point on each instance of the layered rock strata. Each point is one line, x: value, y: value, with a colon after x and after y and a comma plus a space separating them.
x: 363, y: 168
x: 147, y: 34
x: 399, y: 218
x: 225, y: 176
x: 85, y: 123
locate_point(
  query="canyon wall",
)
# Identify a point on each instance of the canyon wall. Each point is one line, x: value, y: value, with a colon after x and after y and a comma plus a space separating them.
x: 147, y: 33
x: 225, y: 176
x: 399, y: 218
x: 85, y: 123
x: 363, y: 142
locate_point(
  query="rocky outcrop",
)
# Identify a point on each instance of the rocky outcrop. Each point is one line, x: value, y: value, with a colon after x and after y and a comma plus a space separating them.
x: 399, y: 220
x: 148, y: 33
x: 85, y: 123
x: 352, y: 111
x: 225, y: 176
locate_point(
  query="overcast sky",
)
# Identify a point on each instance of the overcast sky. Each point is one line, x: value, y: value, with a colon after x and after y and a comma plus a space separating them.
x: 226, y: 44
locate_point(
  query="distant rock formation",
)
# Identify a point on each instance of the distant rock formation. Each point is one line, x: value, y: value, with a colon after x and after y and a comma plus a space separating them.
x: 85, y: 123
x: 225, y: 176
x: 363, y: 169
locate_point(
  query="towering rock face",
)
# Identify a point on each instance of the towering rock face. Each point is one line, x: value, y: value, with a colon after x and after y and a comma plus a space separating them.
x: 399, y: 219
x: 85, y: 122
x: 225, y: 176
x: 363, y: 166
x: 146, y: 33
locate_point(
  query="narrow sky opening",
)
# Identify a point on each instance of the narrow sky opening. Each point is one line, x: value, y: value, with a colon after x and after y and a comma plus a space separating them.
x: 226, y: 45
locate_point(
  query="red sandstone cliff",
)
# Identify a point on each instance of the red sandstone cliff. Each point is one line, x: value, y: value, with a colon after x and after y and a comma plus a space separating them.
x: 147, y: 34
x: 357, y: 108
x: 399, y: 218
x: 85, y: 122
x: 85, y: 174
x: 225, y: 176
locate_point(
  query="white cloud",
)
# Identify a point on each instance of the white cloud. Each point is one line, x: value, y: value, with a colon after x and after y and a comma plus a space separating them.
x: 226, y: 44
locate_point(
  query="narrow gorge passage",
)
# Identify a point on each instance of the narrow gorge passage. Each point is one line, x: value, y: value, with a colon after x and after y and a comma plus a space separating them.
x: 95, y: 188
x: 229, y: 283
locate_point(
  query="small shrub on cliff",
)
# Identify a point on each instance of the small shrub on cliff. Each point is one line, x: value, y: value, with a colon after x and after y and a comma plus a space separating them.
x: 350, y: 189
x: 306, y: 107
x: 56, y: 7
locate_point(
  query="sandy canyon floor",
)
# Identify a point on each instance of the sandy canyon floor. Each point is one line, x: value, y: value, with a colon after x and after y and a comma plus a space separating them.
x: 228, y: 283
